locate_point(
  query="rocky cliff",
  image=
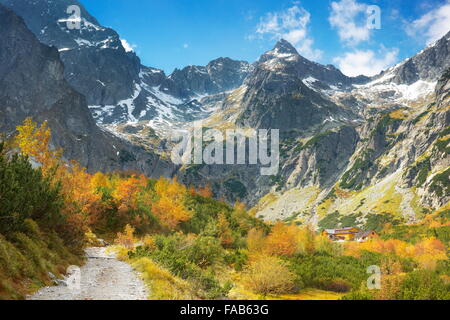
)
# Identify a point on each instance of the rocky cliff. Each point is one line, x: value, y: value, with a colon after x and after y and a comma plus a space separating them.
x: 351, y: 147
x: 32, y: 84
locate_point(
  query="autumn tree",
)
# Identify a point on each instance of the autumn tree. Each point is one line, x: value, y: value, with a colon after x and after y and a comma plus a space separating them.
x: 282, y: 240
x: 255, y: 240
x: 268, y: 275
x: 99, y: 180
x: 306, y: 239
x: 224, y: 230
x: 34, y: 141
x: 127, y: 191
x: 205, y: 191
x: 390, y: 279
x: 169, y: 207
x: 126, y: 239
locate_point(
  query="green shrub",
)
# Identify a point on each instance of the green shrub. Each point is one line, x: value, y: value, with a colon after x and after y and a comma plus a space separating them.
x: 12, y: 262
x: 205, y: 251
x: 361, y: 294
x: 335, y: 285
x: 377, y: 221
x: 31, y: 250
x: 25, y: 193
x: 188, y: 259
x: 321, y: 270
x: 440, y: 184
x: 424, y: 285
x: 330, y: 221
x: 236, y: 258
x: 29, y: 257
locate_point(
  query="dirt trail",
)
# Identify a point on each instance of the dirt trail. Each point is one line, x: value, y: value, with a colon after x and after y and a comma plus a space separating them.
x: 103, y: 277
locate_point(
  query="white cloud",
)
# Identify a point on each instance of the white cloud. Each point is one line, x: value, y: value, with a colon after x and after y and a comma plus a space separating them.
x: 432, y: 26
x: 291, y: 25
x: 350, y: 20
x: 366, y: 62
x: 127, y: 46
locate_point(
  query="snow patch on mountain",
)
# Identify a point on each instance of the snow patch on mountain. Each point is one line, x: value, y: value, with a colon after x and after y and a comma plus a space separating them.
x: 382, y: 87
x: 129, y: 105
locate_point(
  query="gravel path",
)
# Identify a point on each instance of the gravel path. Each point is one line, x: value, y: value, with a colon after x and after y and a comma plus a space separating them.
x: 103, y: 277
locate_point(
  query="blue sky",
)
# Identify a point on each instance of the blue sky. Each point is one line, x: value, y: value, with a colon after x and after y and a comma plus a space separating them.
x: 170, y: 34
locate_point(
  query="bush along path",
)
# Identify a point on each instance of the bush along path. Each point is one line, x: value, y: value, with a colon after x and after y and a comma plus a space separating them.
x: 103, y: 277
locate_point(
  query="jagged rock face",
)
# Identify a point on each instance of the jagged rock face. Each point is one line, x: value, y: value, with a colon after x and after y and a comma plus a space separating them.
x: 32, y: 80
x: 285, y: 54
x: 396, y: 128
x: 280, y: 101
x: 321, y: 162
x: 96, y: 64
x: 28, y: 70
x: 48, y: 19
x: 337, y: 131
x: 427, y: 65
x: 277, y: 95
x: 435, y: 190
x: 117, y: 87
x: 89, y: 71
x: 219, y: 75
x: 32, y: 84
x: 443, y: 89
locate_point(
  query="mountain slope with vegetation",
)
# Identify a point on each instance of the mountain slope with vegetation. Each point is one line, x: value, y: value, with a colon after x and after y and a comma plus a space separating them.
x: 365, y: 152
x: 188, y: 245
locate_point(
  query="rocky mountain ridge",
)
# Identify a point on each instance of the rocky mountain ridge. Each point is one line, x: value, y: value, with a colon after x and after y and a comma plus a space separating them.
x: 352, y: 147
x: 32, y: 84
x: 369, y: 148
x: 118, y: 88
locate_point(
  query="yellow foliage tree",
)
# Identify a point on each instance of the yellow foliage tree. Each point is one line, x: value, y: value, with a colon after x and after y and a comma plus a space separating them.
x: 34, y: 141
x: 126, y: 239
x: 99, y: 180
x: 80, y: 200
x: 170, y: 208
x: 283, y: 240
x: 225, y: 234
x: 255, y: 241
x: 268, y: 275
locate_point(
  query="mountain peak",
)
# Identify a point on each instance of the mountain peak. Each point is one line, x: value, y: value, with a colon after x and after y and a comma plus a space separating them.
x: 284, y: 46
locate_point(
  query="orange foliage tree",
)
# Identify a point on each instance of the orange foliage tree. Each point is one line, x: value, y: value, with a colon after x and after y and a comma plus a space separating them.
x: 127, y: 191
x: 282, y: 240
x: 80, y: 200
x: 425, y: 252
x: 169, y: 207
x: 205, y: 191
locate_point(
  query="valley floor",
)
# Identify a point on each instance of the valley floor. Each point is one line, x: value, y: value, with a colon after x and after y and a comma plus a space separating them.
x: 103, y: 277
